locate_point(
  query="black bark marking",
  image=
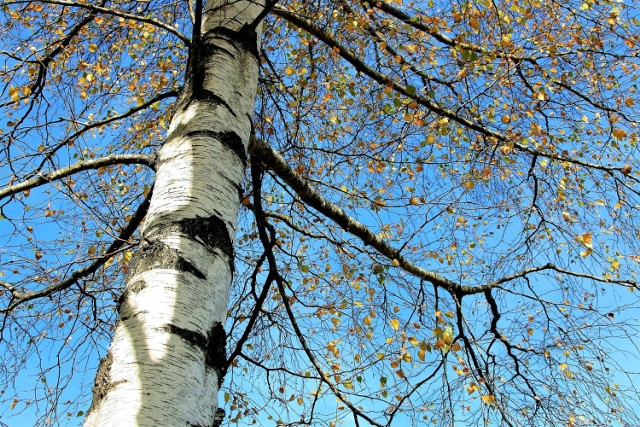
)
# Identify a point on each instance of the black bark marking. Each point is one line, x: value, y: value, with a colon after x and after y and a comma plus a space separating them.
x: 219, y: 417
x: 213, y: 345
x: 102, y: 381
x: 211, y: 232
x: 217, y: 350
x: 136, y: 286
x: 246, y: 38
x: 196, y: 339
x: 202, y: 94
x: 231, y: 140
x: 154, y: 254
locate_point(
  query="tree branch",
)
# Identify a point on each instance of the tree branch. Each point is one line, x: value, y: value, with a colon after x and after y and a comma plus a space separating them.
x: 115, y: 246
x: 386, y: 80
x: 109, y: 11
x: 124, y: 159
x: 338, y: 215
x: 88, y: 127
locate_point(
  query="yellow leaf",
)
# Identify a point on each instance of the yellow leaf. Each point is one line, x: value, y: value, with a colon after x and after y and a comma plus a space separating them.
x: 489, y: 399
x: 14, y: 93
x: 421, y: 354
x: 619, y: 133
x: 93, y: 47
x: 585, y: 239
x: 92, y: 250
x: 289, y: 71
x: 395, y: 324
x: 367, y: 320
x: 406, y: 357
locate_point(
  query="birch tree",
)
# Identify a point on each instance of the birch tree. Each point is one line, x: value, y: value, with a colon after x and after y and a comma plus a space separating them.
x: 339, y: 212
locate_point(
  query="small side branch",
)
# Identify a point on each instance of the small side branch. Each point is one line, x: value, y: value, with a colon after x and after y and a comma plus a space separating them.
x: 116, y: 245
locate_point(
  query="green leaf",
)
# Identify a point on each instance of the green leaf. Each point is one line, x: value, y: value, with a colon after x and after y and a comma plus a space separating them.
x: 411, y: 90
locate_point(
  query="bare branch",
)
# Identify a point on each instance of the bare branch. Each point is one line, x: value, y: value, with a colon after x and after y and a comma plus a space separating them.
x: 110, y: 11
x: 45, y: 178
x: 317, y: 201
x: 116, y: 245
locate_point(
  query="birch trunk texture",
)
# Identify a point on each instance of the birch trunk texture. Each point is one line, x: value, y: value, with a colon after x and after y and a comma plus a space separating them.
x: 163, y: 367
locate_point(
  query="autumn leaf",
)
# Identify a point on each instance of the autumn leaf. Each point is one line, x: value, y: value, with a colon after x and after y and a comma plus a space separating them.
x: 619, y: 133
x: 489, y: 399
x: 585, y: 239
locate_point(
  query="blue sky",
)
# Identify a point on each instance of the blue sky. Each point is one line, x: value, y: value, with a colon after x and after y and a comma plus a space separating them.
x: 451, y: 225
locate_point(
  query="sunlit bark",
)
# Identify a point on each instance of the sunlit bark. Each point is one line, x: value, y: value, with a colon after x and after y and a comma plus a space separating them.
x: 164, y: 364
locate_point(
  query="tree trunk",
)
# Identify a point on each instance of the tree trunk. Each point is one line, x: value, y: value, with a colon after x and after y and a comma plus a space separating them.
x: 163, y: 366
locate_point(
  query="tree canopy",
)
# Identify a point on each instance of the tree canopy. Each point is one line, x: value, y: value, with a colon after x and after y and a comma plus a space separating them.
x: 438, y: 223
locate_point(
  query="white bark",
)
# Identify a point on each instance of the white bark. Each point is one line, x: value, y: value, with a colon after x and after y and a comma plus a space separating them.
x: 163, y: 366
